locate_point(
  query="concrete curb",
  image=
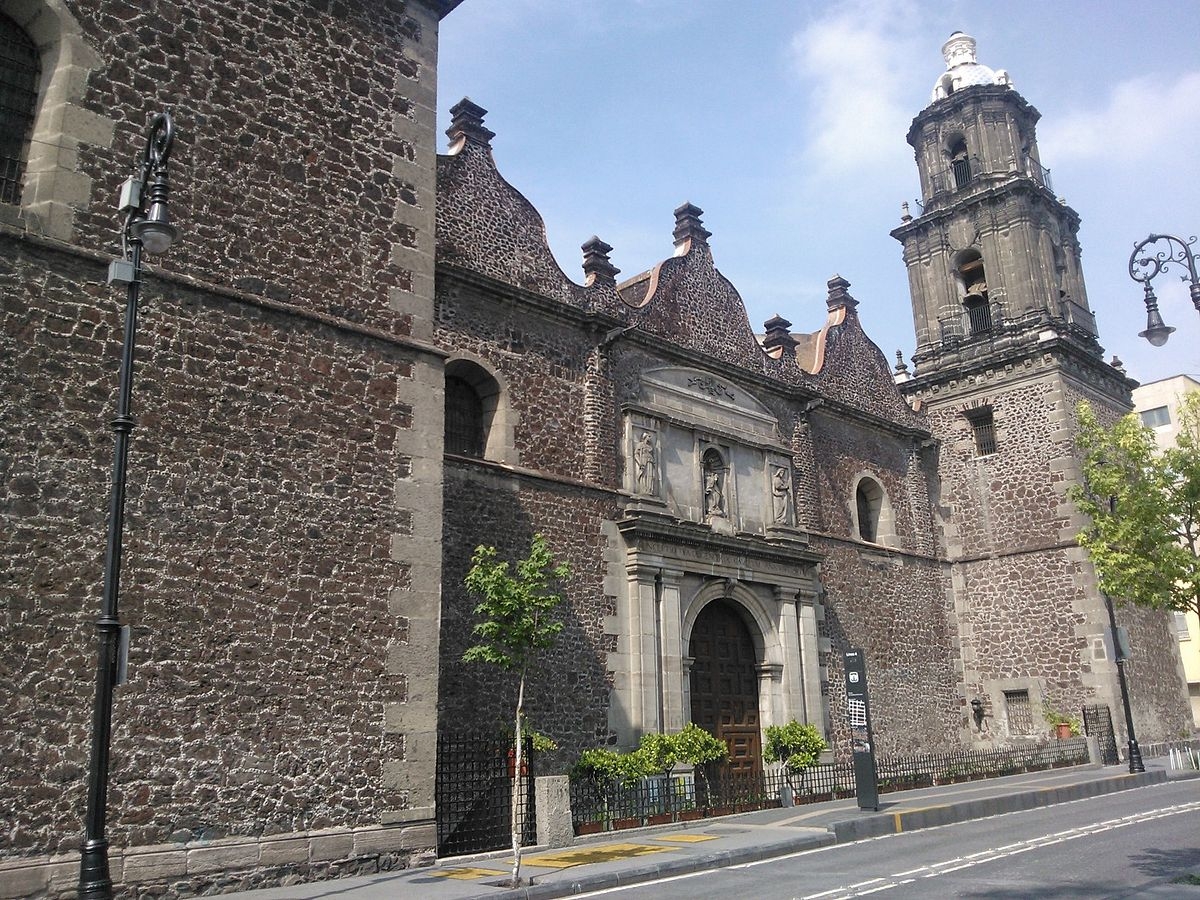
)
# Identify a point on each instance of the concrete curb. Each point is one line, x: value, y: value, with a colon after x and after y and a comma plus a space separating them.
x: 928, y: 817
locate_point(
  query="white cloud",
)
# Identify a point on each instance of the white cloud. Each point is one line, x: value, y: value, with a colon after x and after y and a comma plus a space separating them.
x: 1143, y: 121
x: 853, y: 59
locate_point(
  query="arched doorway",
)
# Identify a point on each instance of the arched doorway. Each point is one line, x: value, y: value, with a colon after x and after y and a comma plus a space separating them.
x: 724, y: 683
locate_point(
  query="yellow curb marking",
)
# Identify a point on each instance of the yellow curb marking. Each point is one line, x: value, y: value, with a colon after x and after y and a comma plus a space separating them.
x: 686, y: 838
x: 467, y: 874
x: 583, y: 856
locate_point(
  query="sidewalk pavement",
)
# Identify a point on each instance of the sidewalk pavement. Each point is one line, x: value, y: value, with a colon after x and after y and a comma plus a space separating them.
x: 643, y: 854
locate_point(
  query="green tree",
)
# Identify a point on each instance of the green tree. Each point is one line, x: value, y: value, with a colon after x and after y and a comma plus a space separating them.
x: 797, y: 746
x: 516, y: 613
x: 1144, y: 507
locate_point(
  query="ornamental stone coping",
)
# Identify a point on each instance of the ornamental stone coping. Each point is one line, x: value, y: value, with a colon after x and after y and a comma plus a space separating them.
x: 419, y: 837
x: 413, y: 814
x: 24, y: 881
x: 382, y: 840
x: 216, y: 859
x: 331, y: 846
x: 156, y: 865
x: 285, y: 852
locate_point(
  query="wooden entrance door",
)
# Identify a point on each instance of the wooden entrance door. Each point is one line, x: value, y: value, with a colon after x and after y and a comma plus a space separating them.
x: 724, y: 684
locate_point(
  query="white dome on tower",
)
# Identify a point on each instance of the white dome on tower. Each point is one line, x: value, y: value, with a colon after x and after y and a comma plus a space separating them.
x: 961, y: 68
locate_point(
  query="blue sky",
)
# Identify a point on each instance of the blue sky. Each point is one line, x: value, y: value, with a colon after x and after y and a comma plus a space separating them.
x: 785, y: 122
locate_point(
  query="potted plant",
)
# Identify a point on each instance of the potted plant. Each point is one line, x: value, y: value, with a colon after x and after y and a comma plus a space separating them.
x: 796, y: 746
x: 1064, y: 725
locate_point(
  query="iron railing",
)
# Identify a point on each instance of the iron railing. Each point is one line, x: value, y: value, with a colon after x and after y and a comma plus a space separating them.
x: 1097, y: 723
x: 962, y: 173
x: 12, y: 171
x: 604, y: 806
x: 980, y: 321
x: 473, y: 787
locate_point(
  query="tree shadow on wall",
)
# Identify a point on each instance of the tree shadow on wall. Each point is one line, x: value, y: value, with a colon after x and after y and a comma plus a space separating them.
x: 567, y: 691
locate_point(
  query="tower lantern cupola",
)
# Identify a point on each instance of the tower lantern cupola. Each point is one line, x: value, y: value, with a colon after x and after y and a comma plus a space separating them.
x: 994, y: 258
x: 962, y: 69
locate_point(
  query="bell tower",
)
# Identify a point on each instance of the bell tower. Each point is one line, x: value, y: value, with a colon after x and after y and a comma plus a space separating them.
x: 993, y: 260
x: 1006, y: 349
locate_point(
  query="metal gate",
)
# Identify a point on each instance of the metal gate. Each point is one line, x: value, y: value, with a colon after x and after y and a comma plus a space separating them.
x: 1097, y: 723
x: 473, y: 791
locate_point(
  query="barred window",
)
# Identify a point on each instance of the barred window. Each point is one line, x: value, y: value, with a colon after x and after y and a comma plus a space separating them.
x: 1019, y: 712
x: 464, y: 418
x: 983, y: 427
x: 20, y: 69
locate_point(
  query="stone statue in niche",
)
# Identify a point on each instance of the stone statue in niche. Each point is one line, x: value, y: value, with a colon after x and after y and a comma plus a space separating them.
x: 781, y: 495
x: 714, y: 486
x: 643, y: 463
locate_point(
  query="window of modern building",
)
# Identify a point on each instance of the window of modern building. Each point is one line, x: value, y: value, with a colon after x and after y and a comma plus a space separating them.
x: 983, y: 427
x: 1181, y: 627
x: 464, y: 418
x: 1019, y: 712
x: 19, y: 73
x: 1153, y: 418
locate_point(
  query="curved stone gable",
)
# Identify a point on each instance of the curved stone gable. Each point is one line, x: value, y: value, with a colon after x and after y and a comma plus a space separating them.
x: 693, y: 305
x: 855, y: 371
x: 486, y: 225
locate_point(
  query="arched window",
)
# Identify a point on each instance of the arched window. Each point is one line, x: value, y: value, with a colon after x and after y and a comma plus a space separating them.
x: 960, y: 165
x: 478, y: 422
x: 868, y: 500
x: 874, y: 521
x: 20, y: 69
x: 464, y: 419
x: 972, y: 280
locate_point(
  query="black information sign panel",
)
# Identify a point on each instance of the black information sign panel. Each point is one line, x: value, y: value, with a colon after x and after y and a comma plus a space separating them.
x: 862, y: 740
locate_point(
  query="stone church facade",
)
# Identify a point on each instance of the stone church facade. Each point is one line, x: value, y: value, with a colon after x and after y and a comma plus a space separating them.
x: 362, y: 361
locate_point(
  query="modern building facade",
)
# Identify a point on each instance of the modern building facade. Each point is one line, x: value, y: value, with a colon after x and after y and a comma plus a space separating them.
x: 362, y: 361
x: 1157, y: 403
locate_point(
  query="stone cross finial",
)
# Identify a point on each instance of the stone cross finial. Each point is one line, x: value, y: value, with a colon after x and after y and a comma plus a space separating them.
x: 688, y: 226
x: 778, y: 334
x: 597, y: 268
x: 839, y: 297
x: 467, y: 123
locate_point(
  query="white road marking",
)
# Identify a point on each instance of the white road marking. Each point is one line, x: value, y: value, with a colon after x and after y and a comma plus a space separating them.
x: 933, y: 870
x: 944, y: 868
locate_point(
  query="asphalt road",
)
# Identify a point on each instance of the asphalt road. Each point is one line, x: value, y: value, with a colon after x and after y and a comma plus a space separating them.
x: 1126, y: 845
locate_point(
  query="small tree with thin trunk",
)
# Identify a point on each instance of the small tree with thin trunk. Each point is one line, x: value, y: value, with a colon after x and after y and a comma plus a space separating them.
x: 516, y: 613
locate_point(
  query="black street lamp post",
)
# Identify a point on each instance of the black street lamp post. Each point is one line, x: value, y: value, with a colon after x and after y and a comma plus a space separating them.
x: 1145, y: 263
x: 147, y: 228
x: 1135, y: 752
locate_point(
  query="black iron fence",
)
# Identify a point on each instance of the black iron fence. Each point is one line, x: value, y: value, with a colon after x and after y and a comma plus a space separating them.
x: 473, y: 786
x: 1097, y: 723
x: 681, y: 796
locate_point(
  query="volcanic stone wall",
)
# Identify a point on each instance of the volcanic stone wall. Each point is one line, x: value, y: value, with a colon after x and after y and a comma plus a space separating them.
x: 299, y: 139
x: 1030, y: 612
x: 258, y: 569
x: 284, y: 497
x: 567, y: 693
x: 542, y: 363
x: 891, y: 600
